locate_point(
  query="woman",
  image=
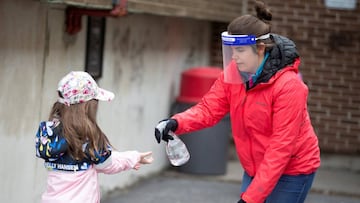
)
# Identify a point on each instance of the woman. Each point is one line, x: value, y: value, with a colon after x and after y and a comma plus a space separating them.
x: 272, y: 131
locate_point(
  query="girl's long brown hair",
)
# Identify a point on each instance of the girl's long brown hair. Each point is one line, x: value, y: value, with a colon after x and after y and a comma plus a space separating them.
x: 79, y: 126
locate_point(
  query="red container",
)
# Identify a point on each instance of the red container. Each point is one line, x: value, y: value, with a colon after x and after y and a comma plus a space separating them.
x: 196, y: 82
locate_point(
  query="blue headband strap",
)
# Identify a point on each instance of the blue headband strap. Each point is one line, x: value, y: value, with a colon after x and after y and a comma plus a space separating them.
x: 240, y: 40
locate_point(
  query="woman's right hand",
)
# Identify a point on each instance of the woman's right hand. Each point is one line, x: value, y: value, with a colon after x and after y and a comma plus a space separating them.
x: 162, y: 129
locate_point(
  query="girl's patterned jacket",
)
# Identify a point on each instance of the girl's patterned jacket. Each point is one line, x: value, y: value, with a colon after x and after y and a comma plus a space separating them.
x: 52, y: 147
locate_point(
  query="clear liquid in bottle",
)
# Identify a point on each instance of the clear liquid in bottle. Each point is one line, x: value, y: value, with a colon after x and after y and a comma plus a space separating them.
x: 176, y: 151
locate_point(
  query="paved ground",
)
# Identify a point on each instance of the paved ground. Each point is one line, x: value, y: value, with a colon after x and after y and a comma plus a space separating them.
x: 331, y: 185
x: 180, y: 189
x: 336, y: 181
x: 175, y: 190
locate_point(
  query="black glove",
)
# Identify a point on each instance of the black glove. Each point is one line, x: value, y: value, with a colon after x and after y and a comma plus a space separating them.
x: 241, y: 201
x: 163, y: 128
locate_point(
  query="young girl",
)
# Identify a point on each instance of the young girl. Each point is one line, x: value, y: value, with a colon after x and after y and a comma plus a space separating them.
x: 73, y: 146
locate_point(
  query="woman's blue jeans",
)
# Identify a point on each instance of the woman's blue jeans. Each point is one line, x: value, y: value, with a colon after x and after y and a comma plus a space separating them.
x: 289, y: 189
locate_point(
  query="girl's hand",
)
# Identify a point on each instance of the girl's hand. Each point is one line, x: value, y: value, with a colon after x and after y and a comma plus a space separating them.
x: 145, y: 158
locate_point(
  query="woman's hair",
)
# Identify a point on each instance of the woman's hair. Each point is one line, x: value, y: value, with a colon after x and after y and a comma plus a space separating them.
x: 79, y: 126
x: 253, y: 25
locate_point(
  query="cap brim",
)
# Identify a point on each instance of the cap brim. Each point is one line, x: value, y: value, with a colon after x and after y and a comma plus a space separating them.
x: 104, y: 95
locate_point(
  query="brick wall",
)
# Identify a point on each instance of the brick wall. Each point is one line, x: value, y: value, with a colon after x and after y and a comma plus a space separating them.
x: 329, y: 44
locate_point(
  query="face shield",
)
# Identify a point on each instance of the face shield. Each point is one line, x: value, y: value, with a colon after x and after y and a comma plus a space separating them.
x: 240, y: 58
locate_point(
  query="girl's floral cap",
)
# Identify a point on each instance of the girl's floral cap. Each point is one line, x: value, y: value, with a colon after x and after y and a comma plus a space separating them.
x: 79, y: 87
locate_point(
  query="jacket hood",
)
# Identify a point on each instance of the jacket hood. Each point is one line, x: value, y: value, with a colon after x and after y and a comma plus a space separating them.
x: 283, y: 53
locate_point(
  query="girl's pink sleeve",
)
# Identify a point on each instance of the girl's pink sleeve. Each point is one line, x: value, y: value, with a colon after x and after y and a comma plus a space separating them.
x: 119, y: 161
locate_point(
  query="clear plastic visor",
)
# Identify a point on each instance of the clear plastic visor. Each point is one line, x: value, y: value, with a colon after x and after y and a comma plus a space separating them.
x: 239, y: 57
x: 231, y: 43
